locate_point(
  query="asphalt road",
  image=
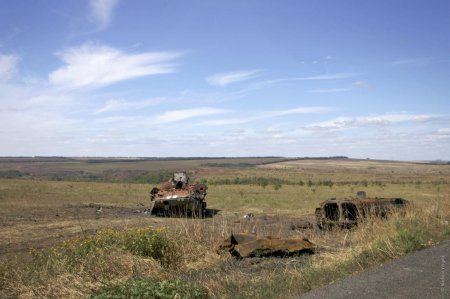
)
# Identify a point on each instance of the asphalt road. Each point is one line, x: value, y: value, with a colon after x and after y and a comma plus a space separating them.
x: 423, y: 274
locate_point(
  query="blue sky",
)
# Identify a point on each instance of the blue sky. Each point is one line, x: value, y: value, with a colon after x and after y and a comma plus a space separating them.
x: 225, y: 78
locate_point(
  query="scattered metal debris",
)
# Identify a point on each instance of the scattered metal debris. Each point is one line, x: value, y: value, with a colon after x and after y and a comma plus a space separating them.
x: 347, y: 212
x: 249, y: 216
x: 250, y: 245
x: 178, y: 197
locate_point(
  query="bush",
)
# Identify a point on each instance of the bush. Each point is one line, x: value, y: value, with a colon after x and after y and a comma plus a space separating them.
x: 277, y: 187
x: 145, y: 242
x: 13, y: 174
x: 260, y: 181
x: 328, y: 183
x: 405, y: 236
x: 141, y: 288
x: 263, y: 182
x: 408, y: 241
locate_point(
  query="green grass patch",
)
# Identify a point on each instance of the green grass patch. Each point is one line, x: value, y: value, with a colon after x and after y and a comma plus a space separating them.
x: 151, y: 289
x: 145, y: 242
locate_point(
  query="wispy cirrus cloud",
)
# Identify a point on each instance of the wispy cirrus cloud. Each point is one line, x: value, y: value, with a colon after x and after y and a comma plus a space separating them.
x: 102, y: 12
x: 335, y: 76
x: 342, y: 123
x: 179, y: 115
x: 224, y: 79
x: 8, y: 65
x: 323, y: 77
x: 91, y: 66
x: 330, y: 90
x: 121, y: 119
x: 115, y: 105
x: 414, y: 62
x: 224, y: 122
x: 264, y: 115
x: 163, y: 118
x: 358, y: 84
x: 298, y: 110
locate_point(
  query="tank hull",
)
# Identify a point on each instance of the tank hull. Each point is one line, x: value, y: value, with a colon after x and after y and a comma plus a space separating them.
x: 349, y: 212
x: 179, y: 198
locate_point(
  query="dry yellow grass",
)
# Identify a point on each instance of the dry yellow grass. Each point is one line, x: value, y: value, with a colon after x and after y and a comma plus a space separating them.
x: 340, y: 253
x: 29, y: 207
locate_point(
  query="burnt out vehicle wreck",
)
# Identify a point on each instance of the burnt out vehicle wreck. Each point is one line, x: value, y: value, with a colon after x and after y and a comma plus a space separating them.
x: 348, y: 212
x: 243, y: 245
x: 177, y: 197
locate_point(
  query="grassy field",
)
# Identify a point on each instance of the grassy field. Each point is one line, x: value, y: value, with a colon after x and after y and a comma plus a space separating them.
x: 52, y: 207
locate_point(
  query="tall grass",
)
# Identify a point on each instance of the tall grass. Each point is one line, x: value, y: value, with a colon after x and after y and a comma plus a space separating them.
x: 346, y: 252
x: 90, y: 262
x: 183, y: 260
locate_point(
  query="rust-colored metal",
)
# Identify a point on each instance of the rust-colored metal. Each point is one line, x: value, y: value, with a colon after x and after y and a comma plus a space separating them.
x: 347, y: 212
x: 178, y: 197
x: 250, y: 245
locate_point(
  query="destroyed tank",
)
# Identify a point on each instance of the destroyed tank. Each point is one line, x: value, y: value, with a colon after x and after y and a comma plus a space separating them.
x: 347, y: 212
x: 178, y: 197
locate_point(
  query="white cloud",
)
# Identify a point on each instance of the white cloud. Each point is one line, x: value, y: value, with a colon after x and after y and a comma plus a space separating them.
x: 361, y: 84
x: 224, y: 79
x: 93, y: 66
x: 444, y: 131
x: 223, y: 122
x: 380, y: 120
x: 179, y: 115
x: 299, y: 110
x: 102, y: 12
x: 7, y: 66
x: 120, y: 119
x: 116, y: 105
x: 39, y: 118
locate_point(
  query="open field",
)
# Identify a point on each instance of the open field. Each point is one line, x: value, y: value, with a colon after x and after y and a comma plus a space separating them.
x: 45, y: 203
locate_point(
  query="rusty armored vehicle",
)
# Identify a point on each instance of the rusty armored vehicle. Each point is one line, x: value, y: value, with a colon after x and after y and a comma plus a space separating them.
x: 347, y: 212
x: 177, y: 197
x: 251, y: 245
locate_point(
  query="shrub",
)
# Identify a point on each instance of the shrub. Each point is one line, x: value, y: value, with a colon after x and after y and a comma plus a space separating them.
x: 141, y: 288
x: 277, y: 187
x: 263, y: 182
x: 408, y: 241
x: 145, y: 242
x: 13, y: 174
x: 328, y: 183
